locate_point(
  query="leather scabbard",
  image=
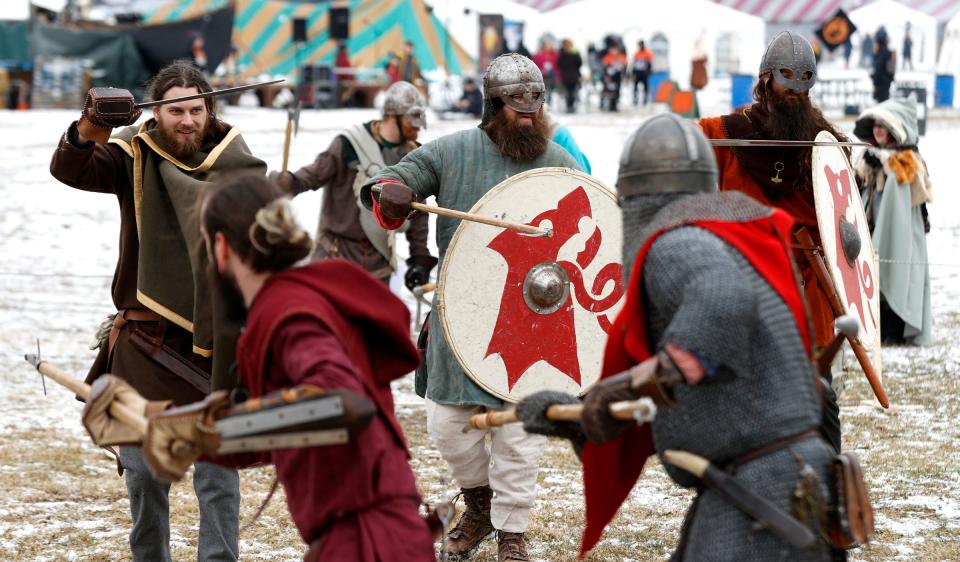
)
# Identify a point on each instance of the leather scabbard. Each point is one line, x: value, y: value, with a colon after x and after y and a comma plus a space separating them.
x: 155, y: 349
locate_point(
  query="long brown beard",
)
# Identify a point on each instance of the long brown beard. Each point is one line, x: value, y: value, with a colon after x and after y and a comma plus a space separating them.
x: 227, y: 293
x: 523, y: 143
x: 793, y: 117
x: 183, y: 149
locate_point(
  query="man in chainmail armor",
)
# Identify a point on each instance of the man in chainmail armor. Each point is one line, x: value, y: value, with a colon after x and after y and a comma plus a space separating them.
x: 715, y: 312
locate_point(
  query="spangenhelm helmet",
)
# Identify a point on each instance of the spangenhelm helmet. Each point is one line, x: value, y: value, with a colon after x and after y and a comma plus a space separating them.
x: 512, y: 75
x: 667, y: 154
x: 403, y: 98
x: 789, y: 51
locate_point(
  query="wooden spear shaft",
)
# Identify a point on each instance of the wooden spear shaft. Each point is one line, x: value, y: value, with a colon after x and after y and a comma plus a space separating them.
x: 626, y: 410
x: 823, y: 275
x: 519, y: 227
x: 117, y: 410
x: 286, y: 142
x: 443, y: 211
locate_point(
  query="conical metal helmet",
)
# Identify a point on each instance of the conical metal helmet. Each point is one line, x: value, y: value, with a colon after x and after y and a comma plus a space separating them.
x: 515, y: 80
x: 403, y: 98
x: 789, y: 51
x: 667, y: 154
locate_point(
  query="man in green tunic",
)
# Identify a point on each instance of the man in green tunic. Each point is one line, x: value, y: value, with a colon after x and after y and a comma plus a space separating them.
x: 458, y: 170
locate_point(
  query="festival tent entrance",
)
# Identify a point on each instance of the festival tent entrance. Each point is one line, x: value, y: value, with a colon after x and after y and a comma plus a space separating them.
x: 733, y: 40
x: 262, y: 34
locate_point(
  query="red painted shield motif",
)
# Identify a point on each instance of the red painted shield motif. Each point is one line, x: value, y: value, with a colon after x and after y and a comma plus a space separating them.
x: 837, y: 199
x: 525, y: 313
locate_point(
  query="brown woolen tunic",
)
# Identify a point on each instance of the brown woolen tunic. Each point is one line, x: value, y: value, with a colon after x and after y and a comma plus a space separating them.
x: 335, y: 170
x: 101, y: 168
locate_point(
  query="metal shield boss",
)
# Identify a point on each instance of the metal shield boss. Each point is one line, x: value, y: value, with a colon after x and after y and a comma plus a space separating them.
x: 847, y: 246
x: 525, y: 313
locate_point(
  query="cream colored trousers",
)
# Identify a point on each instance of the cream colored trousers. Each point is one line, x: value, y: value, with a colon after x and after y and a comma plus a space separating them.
x: 509, y: 466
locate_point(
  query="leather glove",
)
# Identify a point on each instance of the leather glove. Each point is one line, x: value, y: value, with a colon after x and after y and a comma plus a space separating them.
x: 532, y: 411
x: 418, y: 271
x: 395, y: 199
x: 286, y: 181
x: 105, y: 429
x: 597, y: 423
x: 177, y: 437
x: 104, y: 109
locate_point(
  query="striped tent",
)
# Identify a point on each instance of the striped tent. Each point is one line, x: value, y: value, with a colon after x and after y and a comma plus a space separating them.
x: 262, y: 34
x: 816, y: 11
x: 545, y: 5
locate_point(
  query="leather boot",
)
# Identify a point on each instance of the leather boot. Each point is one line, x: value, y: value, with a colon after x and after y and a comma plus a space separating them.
x: 511, y: 547
x: 474, y: 526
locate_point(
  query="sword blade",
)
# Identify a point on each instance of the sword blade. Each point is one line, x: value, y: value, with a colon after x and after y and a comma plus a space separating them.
x: 782, y: 143
x: 263, y: 421
x: 208, y: 94
x: 284, y: 441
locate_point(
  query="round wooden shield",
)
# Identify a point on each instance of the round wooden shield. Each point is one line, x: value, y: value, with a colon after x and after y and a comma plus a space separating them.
x: 525, y: 313
x: 855, y: 275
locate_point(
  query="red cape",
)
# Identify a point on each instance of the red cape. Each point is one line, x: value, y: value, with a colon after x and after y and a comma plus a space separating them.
x: 611, y: 470
x: 374, y: 330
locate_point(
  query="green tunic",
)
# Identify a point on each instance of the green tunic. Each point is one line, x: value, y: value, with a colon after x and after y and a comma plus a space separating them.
x: 458, y: 170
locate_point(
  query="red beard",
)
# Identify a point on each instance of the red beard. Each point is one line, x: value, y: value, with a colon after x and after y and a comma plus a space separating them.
x: 521, y: 141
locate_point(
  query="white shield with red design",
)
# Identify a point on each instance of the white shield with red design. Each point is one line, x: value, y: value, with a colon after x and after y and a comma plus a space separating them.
x: 856, y: 275
x: 525, y: 313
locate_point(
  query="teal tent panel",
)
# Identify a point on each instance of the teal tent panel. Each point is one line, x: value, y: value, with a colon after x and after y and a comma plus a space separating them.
x: 15, y: 44
x: 114, y: 56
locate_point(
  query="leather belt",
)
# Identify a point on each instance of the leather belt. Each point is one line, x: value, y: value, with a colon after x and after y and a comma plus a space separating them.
x: 126, y: 315
x: 771, y: 448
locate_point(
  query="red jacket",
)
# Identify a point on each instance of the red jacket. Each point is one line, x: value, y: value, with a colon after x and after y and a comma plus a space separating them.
x: 332, y: 325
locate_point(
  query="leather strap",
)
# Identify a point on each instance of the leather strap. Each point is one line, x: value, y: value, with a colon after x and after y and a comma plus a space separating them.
x: 125, y: 315
x: 772, y: 447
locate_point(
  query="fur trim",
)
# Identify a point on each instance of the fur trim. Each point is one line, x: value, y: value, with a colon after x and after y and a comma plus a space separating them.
x: 904, y: 166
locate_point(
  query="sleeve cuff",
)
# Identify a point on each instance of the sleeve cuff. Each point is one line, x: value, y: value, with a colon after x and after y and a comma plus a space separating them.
x: 384, y: 222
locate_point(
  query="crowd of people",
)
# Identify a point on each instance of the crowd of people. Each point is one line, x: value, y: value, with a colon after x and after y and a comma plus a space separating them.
x: 715, y: 325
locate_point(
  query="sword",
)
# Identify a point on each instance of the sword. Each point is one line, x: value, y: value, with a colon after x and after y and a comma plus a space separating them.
x: 759, y: 508
x: 208, y: 94
x: 783, y: 143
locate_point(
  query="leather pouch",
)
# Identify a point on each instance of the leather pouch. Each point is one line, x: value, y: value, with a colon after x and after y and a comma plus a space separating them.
x: 851, y: 523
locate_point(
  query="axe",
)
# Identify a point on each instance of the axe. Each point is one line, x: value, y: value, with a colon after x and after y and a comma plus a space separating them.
x: 847, y: 328
x: 291, y: 418
x: 293, y: 127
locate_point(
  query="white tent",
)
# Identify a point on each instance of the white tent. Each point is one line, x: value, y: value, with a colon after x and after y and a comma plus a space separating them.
x: 949, y: 62
x: 733, y: 39
x: 894, y: 17
x: 461, y: 19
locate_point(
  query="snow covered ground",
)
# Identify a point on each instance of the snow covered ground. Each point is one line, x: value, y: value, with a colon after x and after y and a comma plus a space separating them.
x: 60, y: 498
